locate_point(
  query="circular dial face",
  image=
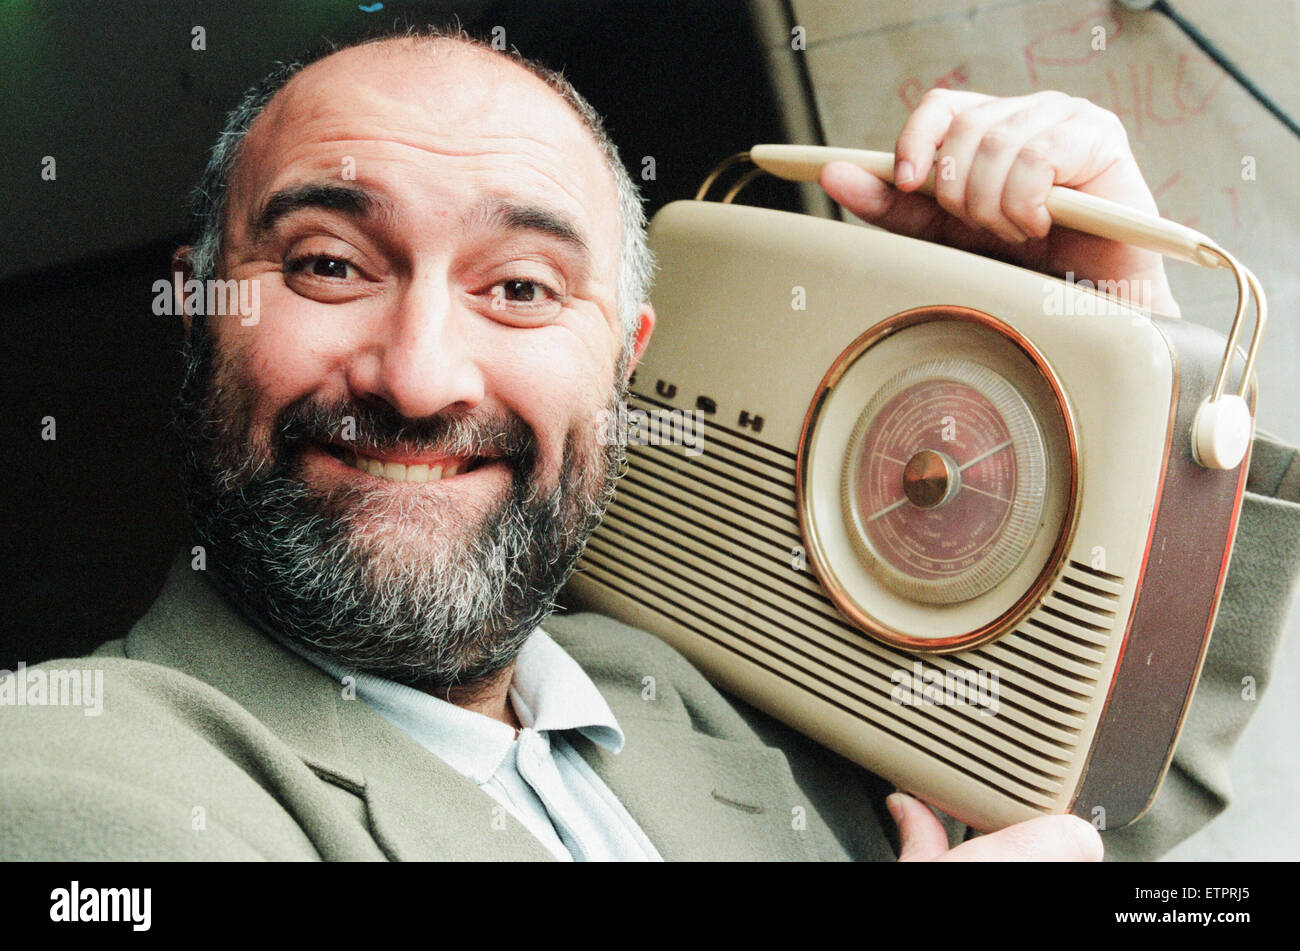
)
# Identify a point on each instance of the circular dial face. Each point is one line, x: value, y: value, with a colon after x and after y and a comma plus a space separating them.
x: 944, y: 481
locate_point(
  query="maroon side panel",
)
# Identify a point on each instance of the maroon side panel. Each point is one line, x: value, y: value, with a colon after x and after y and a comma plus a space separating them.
x: 1178, y: 597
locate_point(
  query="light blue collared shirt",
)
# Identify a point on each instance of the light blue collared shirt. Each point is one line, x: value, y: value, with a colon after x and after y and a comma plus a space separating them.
x: 537, y: 776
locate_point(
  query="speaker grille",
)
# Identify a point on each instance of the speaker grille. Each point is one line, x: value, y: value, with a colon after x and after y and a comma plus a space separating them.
x: 707, y: 542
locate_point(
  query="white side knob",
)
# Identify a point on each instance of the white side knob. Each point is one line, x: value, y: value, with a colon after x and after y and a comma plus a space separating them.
x: 1221, y: 433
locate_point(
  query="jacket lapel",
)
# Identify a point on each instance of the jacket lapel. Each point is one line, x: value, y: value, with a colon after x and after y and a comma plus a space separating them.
x: 419, y: 807
x: 422, y: 809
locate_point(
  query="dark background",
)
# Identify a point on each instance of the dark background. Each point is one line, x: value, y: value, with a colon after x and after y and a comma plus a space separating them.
x: 91, y: 520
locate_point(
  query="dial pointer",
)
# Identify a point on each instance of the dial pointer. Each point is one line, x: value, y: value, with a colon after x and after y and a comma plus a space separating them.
x: 984, y: 455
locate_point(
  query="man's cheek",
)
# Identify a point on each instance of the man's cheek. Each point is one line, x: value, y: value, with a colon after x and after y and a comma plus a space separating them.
x: 249, y: 394
x: 281, y: 368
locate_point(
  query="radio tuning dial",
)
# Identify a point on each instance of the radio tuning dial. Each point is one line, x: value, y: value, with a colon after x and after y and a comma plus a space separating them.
x: 945, y: 481
x: 937, y: 479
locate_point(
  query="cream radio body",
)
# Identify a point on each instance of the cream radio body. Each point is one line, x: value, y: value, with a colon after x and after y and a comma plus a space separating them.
x: 947, y: 519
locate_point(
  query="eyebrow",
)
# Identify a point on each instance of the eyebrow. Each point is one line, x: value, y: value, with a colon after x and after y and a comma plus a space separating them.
x: 351, y: 201
x: 511, y: 216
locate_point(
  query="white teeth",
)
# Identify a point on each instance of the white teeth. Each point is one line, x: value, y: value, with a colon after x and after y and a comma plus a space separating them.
x: 397, y: 472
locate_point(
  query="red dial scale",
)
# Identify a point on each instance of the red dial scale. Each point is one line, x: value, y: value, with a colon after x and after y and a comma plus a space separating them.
x: 944, y: 481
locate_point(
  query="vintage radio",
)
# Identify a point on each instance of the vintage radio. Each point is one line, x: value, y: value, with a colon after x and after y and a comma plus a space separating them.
x: 961, y: 522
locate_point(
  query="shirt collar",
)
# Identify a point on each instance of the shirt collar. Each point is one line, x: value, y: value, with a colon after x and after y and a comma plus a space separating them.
x: 549, y: 691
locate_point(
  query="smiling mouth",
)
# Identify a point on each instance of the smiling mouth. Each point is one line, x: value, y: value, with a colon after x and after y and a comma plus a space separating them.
x: 444, y: 467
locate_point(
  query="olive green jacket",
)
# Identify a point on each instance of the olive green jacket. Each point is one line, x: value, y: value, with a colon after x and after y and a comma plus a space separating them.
x: 214, y: 742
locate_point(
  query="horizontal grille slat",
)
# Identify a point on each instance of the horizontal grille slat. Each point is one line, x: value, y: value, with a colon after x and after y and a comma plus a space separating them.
x: 698, y: 473
x: 1103, y: 580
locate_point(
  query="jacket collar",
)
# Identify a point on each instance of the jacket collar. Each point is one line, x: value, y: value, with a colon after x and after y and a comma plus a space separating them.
x: 549, y: 692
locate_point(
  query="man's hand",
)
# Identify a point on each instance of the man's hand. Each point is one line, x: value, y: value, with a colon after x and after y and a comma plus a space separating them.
x: 995, y: 160
x: 1045, y: 839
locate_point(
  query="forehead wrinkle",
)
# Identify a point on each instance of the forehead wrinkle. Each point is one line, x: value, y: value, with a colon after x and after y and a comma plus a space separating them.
x: 331, y: 108
x: 490, y: 105
x: 455, y: 148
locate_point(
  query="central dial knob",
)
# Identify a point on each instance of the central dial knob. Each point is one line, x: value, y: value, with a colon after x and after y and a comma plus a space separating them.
x: 930, y: 479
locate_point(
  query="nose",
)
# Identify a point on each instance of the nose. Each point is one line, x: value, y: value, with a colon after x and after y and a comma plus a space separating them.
x: 421, y: 362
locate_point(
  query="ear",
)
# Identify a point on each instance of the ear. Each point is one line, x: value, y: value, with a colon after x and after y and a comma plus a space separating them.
x: 645, y: 327
x: 182, y: 271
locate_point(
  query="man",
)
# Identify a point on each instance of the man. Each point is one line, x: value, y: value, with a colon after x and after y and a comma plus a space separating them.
x: 393, y: 466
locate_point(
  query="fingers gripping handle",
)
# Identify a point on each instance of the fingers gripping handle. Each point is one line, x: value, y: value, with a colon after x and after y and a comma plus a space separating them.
x: 1223, y: 427
x: 1070, y: 208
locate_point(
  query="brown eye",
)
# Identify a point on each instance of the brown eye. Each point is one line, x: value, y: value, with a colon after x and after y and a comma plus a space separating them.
x: 525, y: 291
x: 320, y: 266
x: 523, y: 302
x: 330, y: 267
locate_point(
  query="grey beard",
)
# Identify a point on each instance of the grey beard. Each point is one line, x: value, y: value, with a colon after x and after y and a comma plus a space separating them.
x: 301, y: 564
